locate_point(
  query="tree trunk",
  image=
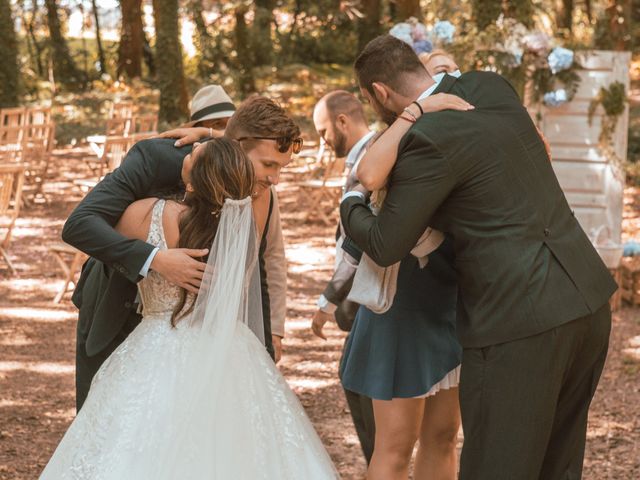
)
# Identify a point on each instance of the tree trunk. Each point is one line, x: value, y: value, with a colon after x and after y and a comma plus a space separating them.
x: 202, y: 39
x: 173, y: 91
x: 64, y: 69
x: 369, y: 25
x: 246, y: 83
x: 131, y: 39
x: 521, y: 10
x: 34, y: 41
x: 9, y: 81
x: 102, y: 64
x: 613, y: 29
x: 261, y: 32
x: 564, y: 14
x: 486, y: 12
x: 147, y: 55
x: 405, y: 9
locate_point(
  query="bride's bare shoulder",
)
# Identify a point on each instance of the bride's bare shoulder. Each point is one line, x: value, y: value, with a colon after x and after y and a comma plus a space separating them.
x: 136, y: 219
x: 171, y: 222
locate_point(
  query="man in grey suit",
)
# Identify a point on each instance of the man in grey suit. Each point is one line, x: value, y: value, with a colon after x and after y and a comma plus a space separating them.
x: 340, y: 120
x: 106, y: 292
x: 533, y: 312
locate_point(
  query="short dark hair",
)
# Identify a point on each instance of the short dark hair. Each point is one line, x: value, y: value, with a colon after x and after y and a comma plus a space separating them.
x: 260, y: 116
x: 387, y: 59
x: 342, y: 102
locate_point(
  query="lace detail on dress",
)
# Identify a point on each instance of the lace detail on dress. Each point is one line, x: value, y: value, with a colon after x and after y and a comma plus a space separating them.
x: 158, y: 296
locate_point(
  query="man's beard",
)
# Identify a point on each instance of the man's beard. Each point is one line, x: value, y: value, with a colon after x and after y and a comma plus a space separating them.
x: 340, y: 146
x: 386, y: 115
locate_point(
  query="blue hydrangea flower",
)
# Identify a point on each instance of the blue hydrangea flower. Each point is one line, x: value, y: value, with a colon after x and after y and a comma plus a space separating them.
x: 560, y: 59
x: 402, y: 31
x: 444, y: 31
x: 555, y: 98
x: 422, y: 46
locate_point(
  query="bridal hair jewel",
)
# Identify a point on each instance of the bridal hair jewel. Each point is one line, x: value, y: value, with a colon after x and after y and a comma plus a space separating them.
x: 216, y: 213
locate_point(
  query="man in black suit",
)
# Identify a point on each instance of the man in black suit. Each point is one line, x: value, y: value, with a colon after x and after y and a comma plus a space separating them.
x: 533, y: 312
x: 106, y: 294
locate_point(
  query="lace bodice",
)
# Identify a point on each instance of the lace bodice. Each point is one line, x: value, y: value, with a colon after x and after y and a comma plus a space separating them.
x: 158, y: 296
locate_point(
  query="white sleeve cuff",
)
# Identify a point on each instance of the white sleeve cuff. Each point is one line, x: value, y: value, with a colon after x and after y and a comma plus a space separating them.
x: 325, y: 305
x: 352, y: 194
x: 144, y: 271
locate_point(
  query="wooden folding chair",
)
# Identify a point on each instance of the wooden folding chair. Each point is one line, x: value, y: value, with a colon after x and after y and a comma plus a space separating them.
x: 13, y: 117
x: 145, y: 124
x: 38, y: 116
x: 70, y: 260
x: 11, y: 181
x: 323, y: 194
x: 121, y: 110
x: 35, y: 158
x: 11, y: 141
x: 120, y: 126
x: 113, y: 152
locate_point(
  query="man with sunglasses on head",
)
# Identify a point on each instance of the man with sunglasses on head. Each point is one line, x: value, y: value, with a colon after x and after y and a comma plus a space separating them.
x: 106, y: 294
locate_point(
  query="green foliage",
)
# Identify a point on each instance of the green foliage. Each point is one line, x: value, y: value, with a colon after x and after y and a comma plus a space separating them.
x: 613, y: 101
x: 9, y: 81
x: 486, y: 12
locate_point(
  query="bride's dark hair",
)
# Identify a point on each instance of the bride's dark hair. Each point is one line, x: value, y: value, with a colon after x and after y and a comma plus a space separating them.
x: 220, y: 170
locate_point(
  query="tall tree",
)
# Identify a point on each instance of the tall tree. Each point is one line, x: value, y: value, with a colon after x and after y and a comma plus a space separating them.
x: 201, y: 37
x: 131, y: 39
x: 64, y: 69
x: 245, y: 58
x: 521, y: 10
x: 29, y: 21
x: 261, y: 32
x: 9, y: 81
x: 485, y: 12
x: 613, y: 28
x: 564, y: 14
x: 173, y: 91
x: 405, y: 9
x: 102, y: 64
x: 369, y: 25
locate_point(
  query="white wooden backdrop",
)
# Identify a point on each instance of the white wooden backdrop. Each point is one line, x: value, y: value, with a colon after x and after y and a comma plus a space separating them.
x: 593, y: 185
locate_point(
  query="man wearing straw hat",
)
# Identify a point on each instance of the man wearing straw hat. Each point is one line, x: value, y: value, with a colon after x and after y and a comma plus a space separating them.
x: 211, y: 107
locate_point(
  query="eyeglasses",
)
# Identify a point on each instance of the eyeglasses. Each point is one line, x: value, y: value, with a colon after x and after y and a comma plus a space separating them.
x: 284, y: 143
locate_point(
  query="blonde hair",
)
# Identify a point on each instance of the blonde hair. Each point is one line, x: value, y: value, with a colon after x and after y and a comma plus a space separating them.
x: 426, y: 57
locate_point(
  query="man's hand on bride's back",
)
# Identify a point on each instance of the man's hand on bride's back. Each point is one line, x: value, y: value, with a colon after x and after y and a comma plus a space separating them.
x: 180, y: 267
x: 190, y: 135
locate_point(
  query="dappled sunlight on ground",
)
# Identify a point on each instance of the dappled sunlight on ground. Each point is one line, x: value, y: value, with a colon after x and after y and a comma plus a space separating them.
x: 37, y: 345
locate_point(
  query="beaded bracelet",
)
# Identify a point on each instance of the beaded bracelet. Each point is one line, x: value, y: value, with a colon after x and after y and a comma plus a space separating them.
x: 410, y: 113
x: 410, y: 120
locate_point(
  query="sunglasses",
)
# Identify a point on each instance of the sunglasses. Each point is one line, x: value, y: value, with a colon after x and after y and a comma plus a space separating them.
x: 284, y: 143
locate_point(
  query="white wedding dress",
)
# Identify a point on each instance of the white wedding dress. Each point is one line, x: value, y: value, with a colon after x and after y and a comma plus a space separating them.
x: 202, y: 401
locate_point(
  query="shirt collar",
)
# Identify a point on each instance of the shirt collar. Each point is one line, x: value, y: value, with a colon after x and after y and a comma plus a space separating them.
x: 357, y: 149
x: 429, y: 90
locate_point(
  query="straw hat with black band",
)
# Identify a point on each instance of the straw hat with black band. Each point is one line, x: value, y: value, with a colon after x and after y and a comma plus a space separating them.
x: 210, y: 103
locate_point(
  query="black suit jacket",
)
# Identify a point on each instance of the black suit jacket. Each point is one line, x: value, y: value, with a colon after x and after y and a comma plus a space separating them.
x: 524, y: 264
x: 106, y: 291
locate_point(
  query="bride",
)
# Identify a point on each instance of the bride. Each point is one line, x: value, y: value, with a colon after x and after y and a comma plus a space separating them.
x: 192, y: 393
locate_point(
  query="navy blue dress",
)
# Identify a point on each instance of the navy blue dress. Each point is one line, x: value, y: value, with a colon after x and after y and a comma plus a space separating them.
x: 403, y: 352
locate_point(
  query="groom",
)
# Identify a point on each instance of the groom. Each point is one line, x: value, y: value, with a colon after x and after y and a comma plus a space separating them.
x: 106, y: 292
x: 533, y: 312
